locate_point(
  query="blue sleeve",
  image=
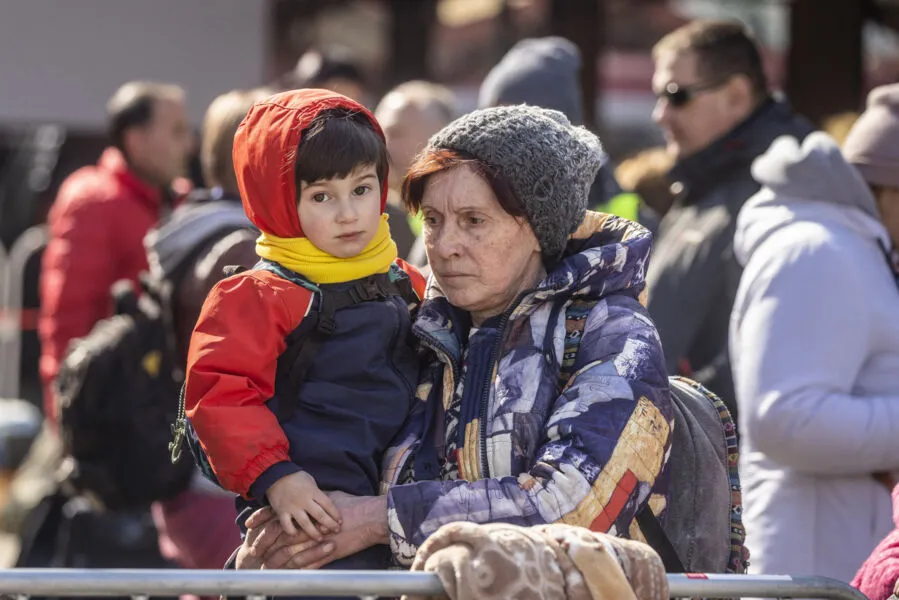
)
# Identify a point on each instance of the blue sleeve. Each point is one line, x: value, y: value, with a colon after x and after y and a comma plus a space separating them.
x: 260, y: 487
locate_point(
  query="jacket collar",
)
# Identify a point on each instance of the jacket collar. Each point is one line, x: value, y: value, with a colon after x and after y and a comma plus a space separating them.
x: 113, y: 162
x: 735, y: 150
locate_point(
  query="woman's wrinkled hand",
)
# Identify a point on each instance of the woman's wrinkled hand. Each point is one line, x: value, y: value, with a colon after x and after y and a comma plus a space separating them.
x: 266, y: 540
x: 267, y: 546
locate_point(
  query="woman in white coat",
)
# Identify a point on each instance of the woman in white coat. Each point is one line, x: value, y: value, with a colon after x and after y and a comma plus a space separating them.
x: 815, y: 347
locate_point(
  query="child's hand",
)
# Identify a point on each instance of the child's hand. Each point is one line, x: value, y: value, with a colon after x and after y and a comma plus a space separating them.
x: 296, y: 498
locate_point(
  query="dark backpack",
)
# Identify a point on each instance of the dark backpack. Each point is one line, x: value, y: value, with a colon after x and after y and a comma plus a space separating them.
x: 703, y: 529
x: 117, y: 387
x: 301, y: 344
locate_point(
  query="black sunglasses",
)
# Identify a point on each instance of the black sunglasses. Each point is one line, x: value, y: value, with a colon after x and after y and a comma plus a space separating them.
x: 678, y: 95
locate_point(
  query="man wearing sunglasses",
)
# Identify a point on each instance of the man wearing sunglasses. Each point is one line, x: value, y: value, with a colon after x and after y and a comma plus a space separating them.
x: 717, y: 116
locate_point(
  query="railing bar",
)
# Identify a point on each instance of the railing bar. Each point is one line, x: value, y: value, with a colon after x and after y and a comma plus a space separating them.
x: 737, y: 586
x: 101, y: 582
x: 362, y: 584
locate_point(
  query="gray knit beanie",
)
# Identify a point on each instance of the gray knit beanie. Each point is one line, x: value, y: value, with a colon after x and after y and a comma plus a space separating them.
x: 873, y: 142
x: 549, y: 163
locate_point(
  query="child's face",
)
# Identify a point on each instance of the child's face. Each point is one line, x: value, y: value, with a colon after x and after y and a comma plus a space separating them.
x: 340, y: 216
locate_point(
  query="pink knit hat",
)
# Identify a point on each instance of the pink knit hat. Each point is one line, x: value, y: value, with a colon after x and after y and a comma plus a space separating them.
x: 873, y: 142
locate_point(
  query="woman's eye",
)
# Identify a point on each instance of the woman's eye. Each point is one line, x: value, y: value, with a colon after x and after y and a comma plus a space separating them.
x: 319, y: 197
x: 474, y: 220
x: 362, y: 189
x: 429, y: 220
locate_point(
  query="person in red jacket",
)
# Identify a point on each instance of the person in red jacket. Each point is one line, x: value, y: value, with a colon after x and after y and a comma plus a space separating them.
x: 312, y: 170
x: 102, y: 213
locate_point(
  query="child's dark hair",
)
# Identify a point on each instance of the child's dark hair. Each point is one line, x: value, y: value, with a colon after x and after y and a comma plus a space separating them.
x: 336, y: 142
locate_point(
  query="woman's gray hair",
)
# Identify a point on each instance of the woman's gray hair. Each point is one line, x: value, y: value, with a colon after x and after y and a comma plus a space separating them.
x: 549, y: 163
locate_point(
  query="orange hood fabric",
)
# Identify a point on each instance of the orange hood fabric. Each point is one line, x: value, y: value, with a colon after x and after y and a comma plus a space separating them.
x: 264, y: 154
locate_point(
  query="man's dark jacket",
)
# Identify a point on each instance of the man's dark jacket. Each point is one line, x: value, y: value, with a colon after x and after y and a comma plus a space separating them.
x: 693, y: 274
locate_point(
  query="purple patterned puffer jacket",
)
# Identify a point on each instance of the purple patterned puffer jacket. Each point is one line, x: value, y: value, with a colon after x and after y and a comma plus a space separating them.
x: 591, y: 453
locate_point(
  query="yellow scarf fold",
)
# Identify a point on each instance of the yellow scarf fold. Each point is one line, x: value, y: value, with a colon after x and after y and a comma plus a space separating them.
x: 303, y: 257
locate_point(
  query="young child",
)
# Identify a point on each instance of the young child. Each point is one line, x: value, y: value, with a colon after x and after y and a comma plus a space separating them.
x: 312, y: 170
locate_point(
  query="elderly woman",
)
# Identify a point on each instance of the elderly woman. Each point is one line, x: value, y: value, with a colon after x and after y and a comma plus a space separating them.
x: 499, y: 434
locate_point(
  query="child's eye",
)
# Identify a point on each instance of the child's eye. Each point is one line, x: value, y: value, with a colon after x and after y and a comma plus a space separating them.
x: 362, y: 189
x: 319, y: 197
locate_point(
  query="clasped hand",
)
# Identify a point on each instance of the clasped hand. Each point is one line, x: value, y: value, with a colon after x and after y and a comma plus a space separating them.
x: 269, y: 546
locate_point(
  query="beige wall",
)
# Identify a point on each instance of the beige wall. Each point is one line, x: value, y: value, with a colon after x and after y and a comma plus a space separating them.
x: 60, y: 60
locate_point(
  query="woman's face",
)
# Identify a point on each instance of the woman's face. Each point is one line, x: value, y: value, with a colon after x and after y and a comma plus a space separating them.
x: 481, y: 256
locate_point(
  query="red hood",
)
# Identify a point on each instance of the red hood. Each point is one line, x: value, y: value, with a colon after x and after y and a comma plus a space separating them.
x: 264, y: 151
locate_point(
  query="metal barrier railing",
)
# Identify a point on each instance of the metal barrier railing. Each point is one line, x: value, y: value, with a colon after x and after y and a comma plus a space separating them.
x: 760, y: 586
x: 364, y: 584
x: 12, y: 280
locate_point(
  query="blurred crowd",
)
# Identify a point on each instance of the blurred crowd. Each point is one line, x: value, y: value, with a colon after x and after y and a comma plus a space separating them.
x: 773, y: 281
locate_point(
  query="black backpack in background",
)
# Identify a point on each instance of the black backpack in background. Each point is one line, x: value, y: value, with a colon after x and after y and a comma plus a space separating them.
x: 116, y: 395
x: 117, y: 389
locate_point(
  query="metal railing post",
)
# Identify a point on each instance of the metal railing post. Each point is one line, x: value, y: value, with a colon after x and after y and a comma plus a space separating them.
x: 7, y: 334
x: 12, y: 295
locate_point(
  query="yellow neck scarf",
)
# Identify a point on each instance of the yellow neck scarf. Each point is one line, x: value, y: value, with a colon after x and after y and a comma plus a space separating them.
x: 301, y: 256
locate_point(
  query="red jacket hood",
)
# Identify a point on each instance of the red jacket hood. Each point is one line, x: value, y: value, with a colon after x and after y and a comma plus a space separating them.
x: 265, y: 149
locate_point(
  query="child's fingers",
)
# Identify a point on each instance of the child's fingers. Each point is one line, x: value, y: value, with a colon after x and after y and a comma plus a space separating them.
x: 307, y: 525
x: 318, y: 513
x: 325, y: 502
x: 287, y: 523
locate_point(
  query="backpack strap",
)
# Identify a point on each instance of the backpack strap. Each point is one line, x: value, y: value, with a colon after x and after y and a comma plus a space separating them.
x: 304, y: 342
x: 293, y: 364
x: 230, y: 270
x: 406, y: 290
x: 576, y: 314
x: 659, y: 540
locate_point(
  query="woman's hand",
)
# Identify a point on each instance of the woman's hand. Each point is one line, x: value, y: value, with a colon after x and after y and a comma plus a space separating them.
x: 265, y: 534
x: 267, y: 546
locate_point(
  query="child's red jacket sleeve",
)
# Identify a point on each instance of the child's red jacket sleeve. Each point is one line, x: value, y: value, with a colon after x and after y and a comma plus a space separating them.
x: 231, y: 369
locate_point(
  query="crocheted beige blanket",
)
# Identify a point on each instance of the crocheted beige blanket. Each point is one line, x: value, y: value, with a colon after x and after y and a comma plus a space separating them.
x: 547, y: 562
